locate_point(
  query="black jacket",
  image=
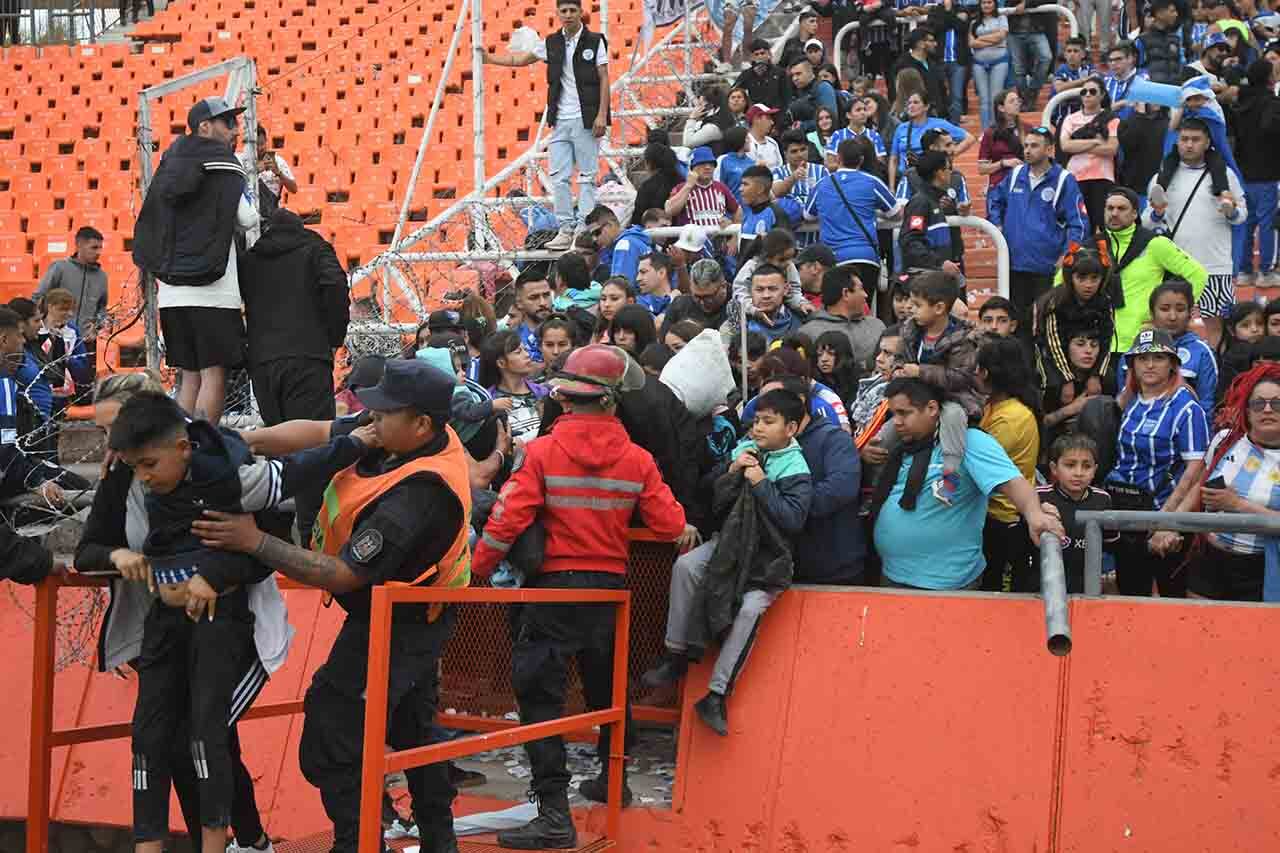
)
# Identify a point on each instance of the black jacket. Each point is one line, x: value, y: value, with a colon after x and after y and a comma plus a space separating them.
x: 585, y: 73
x: 1257, y: 119
x: 295, y: 293
x: 934, y: 81
x: 1141, y: 138
x: 927, y: 247
x: 773, y: 88
x: 188, y: 219
x: 224, y: 475
x: 1162, y: 53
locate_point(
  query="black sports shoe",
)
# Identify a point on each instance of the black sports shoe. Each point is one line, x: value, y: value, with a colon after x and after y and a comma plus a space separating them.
x: 712, y: 711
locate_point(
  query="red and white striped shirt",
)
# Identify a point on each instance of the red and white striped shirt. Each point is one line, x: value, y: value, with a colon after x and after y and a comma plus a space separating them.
x: 707, y: 206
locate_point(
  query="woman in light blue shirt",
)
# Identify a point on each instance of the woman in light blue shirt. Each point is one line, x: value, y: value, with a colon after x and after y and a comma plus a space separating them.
x: 906, y: 139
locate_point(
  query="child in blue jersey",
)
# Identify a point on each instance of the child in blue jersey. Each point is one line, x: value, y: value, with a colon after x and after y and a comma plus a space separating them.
x: 760, y: 212
x: 856, y: 129
x: 1170, y: 306
x: 1071, y: 74
x: 731, y: 165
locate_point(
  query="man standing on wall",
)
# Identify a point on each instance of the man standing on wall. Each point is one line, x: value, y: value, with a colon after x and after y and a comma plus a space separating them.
x: 577, y: 110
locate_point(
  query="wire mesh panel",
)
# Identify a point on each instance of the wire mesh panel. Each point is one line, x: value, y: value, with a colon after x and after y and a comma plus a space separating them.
x: 477, y: 667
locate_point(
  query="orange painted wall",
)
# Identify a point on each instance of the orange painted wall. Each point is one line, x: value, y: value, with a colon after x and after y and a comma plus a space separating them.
x: 871, y: 720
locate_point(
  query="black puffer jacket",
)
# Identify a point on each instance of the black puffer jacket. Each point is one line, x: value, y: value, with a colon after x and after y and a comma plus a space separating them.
x: 296, y: 302
x: 184, y: 231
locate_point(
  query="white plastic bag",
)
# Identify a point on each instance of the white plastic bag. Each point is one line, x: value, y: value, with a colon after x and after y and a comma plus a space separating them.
x: 700, y: 374
x: 524, y: 40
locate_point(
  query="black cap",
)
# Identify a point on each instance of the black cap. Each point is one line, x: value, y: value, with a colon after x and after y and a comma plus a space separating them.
x: 209, y: 109
x: 410, y: 384
x: 438, y: 321
x: 817, y: 252
x: 366, y: 372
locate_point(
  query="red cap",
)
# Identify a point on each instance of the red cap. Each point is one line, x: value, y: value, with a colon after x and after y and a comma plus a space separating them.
x: 757, y: 110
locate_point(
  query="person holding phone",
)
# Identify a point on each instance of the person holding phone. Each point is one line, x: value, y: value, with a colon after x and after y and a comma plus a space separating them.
x: 1242, y: 468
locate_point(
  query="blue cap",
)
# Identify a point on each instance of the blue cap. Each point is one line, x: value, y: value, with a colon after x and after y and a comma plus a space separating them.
x: 410, y: 384
x: 701, y: 154
x: 1214, y: 39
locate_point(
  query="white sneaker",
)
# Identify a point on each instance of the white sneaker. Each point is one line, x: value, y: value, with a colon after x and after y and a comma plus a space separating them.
x: 562, y: 242
x: 399, y: 829
x: 236, y: 848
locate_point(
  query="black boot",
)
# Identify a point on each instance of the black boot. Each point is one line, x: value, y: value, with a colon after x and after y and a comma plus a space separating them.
x: 552, y: 829
x: 597, y: 789
x: 671, y: 669
x: 437, y: 836
x: 712, y: 711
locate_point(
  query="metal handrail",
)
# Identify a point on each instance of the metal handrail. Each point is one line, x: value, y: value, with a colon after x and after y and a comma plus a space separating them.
x: 1058, y: 99
x: 1137, y: 521
x: 1053, y: 590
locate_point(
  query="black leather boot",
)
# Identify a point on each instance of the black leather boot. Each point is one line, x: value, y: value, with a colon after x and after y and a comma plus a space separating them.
x: 597, y: 789
x: 552, y: 829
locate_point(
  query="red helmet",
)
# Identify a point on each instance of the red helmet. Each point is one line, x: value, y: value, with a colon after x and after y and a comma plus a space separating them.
x: 598, y: 370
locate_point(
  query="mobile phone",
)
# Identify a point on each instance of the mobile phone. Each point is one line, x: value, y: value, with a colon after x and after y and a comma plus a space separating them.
x: 1216, y: 483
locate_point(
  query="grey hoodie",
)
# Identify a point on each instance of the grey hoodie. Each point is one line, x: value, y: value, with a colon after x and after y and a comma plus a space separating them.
x: 88, y: 284
x: 864, y: 334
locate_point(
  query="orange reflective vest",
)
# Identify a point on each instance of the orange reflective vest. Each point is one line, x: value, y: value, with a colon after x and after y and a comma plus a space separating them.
x: 350, y: 493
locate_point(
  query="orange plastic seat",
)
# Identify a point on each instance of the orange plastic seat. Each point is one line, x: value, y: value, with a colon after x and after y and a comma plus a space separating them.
x: 13, y: 243
x: 49, y: 222
x: 18, y: 269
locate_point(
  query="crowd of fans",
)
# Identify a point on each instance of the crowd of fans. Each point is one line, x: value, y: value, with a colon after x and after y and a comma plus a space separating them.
x: 815, y: 401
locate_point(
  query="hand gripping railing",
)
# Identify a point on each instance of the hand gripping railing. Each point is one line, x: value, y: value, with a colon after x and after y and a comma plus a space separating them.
x: 1053, y: 589
x: 1130, y: 521
x: 377, y: 762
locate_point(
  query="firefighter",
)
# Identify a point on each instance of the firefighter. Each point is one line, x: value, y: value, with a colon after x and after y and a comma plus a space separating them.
x: 583, y: 482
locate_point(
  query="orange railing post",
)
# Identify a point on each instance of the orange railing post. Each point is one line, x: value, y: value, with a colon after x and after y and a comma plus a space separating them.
x: 41, y: 760
x: 372, y: 769
x: 618, y: 734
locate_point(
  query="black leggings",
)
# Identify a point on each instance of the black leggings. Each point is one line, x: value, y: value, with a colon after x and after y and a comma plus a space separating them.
x: 1095, y: 201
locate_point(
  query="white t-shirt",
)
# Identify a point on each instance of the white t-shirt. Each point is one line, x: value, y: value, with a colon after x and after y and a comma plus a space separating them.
x: 768, y: 151
x: 570, y: 107
x: 270, y: 179
x: 223, y: 293
x: 1205, y: 234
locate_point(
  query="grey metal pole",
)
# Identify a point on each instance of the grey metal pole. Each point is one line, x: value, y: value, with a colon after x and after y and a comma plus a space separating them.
x: 149, y: 316
x: 1092, y: 558
x: 477, y: 93
x: 431, y: 118
x: 1053, y: 589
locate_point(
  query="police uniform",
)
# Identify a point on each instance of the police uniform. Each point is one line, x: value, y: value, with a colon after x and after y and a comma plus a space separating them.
x: 583, y: 482
x: 398, y: 520
x: 926, y: 238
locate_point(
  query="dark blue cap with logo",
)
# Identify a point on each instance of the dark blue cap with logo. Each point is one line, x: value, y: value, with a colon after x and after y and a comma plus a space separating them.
x: 410, y: 384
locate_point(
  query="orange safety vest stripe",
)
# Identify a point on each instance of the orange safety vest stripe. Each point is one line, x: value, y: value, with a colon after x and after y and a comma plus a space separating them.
x: 349, y: 494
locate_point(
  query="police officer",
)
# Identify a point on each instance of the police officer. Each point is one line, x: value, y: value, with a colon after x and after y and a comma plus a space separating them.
x: 583, y: 482
x: 397, y: 516
x: 926, y: 241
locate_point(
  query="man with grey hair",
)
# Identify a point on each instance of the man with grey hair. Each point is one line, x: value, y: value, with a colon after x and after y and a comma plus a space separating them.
x: 705, y: 302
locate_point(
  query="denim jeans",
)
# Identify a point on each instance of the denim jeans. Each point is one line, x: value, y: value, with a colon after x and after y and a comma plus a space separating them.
x: 573, y: 146
x: 988, y: 80
x: 1030, y: 55
x: 1260, y: 198
x: 957, y: 76
x: 1085, y: 10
